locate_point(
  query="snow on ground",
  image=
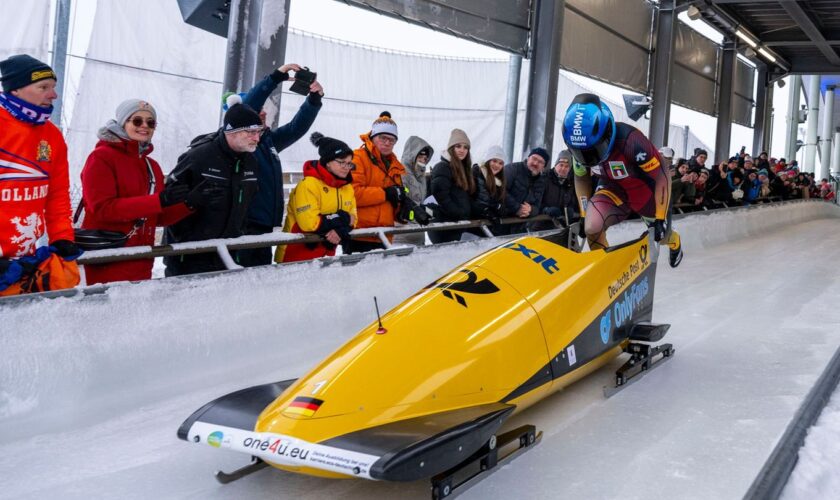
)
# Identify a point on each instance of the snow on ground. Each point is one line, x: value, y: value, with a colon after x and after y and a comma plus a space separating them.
x: 93, y: 389
x: 816, y: 474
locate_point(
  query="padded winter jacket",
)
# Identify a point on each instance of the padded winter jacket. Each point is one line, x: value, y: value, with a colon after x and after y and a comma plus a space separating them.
x: 34, y: 186
x: 415, y: 178
x: 266, y: 209
x: 319, y: 193
x: 373, y: 174
x: 454, y: 203
x: 211, y: 160
x: 523, y: 187
x: 116, y: 186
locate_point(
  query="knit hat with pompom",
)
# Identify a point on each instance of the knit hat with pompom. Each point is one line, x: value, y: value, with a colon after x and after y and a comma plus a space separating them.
x: 328, y: 148
x: 384, y: 125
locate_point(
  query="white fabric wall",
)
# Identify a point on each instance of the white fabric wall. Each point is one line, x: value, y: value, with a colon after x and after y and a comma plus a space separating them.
x: 427, y: 96
x: 25, y: 28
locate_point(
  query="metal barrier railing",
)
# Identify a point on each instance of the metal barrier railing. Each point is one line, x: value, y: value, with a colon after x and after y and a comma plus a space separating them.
x: 223, y: 247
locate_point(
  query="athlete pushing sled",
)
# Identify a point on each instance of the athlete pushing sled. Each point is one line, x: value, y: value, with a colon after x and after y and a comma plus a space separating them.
x: 631, y: 175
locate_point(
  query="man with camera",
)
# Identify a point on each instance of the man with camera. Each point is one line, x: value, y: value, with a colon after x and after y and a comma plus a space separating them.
x: 266, y: 210
x: 220, y: 171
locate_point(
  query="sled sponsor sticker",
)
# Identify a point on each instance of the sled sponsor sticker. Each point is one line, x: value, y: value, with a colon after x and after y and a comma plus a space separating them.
x: 605, y: 327
x: 549, y: 264
x: 286, y: 450
x: 570, y: 355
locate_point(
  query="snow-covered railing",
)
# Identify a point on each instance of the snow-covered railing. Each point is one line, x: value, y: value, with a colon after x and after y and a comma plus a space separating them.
x: 223, y: 247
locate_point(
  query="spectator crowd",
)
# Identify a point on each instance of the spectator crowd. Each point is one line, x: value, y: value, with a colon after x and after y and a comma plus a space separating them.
x: 229, y: 183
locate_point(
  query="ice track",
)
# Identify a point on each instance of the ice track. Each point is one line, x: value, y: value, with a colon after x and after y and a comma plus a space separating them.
x: 92, y: 390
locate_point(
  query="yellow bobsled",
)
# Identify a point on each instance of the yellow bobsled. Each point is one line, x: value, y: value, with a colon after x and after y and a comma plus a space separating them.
x: 429, y: 386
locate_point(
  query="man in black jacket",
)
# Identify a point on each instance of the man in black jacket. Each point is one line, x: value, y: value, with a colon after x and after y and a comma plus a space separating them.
x: 221, y: 172
x: 525, y: 186
x: 559, y: 199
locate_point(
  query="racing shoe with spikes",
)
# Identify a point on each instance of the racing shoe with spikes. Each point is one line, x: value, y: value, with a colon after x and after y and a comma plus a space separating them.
x: 675, y: 249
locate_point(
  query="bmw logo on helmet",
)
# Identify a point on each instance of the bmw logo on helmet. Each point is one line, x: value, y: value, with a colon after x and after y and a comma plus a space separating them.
x: 589, y: 129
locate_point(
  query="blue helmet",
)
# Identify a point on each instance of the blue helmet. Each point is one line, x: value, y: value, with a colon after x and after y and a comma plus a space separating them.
x: 589, y: 129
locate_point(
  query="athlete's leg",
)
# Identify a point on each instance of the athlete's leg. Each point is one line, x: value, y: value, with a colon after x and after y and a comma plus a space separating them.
x: 605, y: 209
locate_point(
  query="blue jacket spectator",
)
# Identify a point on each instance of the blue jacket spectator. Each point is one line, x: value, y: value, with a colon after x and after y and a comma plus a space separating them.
x: 267, y: 207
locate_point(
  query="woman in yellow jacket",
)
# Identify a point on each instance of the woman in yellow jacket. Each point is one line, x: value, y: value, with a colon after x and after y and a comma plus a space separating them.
x: 322, y: 203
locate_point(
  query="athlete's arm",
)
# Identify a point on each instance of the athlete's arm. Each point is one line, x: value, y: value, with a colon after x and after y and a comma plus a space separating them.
x: 647, y: 158
x: 583, y: 186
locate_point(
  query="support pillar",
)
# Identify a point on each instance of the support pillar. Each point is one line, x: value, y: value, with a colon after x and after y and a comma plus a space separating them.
x: 255, y: 48
x: 236, y: 46
x: 724, y: 115
x: 59, y: 57
x: 812, y: 125
x: 660, y: 113
x: 792, y: 120
x: 835, y: 157
x: 763, y: 101
x: 827, y: 135
x: 511, y: 106
x: 543, y: 71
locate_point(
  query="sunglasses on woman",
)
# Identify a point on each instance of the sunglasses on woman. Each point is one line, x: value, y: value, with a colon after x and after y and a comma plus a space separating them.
x: 137, y: 121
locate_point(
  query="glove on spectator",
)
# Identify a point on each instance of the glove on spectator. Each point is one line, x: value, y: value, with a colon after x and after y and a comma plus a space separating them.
x: 173, y: 194
x: 394, y: 195
x: 553, y: 212
x: 66, y: 249
x: 422, y: 215
x: 338, y: 221
x: 205, y: 196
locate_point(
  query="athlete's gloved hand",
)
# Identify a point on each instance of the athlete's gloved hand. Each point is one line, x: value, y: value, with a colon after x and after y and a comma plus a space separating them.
x: 173, y: 194
x: 659, y: 229
x: 66, y: 249
x: 394, y: 194
x: 582, y: 227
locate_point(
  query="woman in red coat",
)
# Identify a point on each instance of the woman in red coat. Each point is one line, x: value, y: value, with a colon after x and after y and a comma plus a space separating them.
x: 122, y: 190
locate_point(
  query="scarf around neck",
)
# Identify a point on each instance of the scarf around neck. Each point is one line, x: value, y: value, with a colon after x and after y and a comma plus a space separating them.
x: 25, y: 111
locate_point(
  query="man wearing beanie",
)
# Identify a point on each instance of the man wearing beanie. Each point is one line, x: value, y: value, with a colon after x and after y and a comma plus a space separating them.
x: 525, y: 186
x: 559, y: 199
x: 377, y: 181
x: 35, y: 185
x: 266, y: 210
x: 220, y: 171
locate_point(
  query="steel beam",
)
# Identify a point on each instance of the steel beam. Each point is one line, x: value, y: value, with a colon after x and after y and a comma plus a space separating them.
x: 59, y: 57
x: 763, y: 100
x: 792, y: 118
x: 504, y: 25
x: 729, y: 57
x: 660, y: 114
x: 543, y: 71
x: 511, y: 106
x: 811, y: 30
x: 826, y: 135
x: 813, y: 96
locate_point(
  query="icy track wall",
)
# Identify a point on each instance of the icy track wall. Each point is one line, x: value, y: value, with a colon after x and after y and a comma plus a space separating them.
x: 71, y: 361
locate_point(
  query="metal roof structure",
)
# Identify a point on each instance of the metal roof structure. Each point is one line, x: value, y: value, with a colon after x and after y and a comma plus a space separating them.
x: 794, y: 36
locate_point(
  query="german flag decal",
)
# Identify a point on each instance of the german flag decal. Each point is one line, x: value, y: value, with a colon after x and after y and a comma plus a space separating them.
x: 305, y: 407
